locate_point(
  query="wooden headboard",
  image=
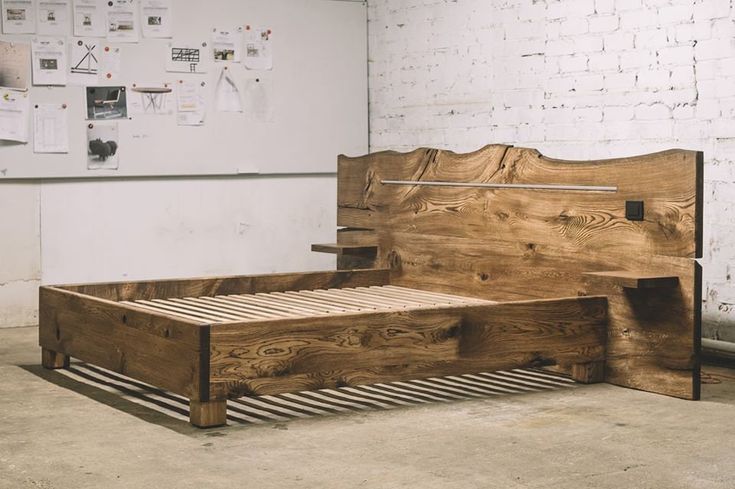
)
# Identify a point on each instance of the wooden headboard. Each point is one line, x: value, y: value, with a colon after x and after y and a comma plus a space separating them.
x: 521, y: 243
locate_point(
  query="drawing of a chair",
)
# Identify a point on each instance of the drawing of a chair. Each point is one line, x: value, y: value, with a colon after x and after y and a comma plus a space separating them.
x: 107, y: 108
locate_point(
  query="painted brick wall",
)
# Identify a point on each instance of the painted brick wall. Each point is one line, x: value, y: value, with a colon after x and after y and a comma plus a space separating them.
x: 575, y: 79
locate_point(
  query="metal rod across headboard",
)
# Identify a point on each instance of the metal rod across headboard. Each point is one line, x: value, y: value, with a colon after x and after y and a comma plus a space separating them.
x: 526, y: 186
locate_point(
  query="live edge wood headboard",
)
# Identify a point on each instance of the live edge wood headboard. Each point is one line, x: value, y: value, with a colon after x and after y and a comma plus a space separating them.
x: 520, y: 243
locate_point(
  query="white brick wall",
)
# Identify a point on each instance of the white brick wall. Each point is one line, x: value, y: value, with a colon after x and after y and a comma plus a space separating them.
x: 575, y: 79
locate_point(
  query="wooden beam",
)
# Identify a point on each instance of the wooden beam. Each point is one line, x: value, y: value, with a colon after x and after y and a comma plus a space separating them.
x: 636, y: 280
x: 170, y: 353
x: 241, y: 284
x: 286, y: 355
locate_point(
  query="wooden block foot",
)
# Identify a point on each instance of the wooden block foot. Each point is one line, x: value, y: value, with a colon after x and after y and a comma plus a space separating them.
x: 589, y: 373
x: 52, y: 360
x: 207, y: 414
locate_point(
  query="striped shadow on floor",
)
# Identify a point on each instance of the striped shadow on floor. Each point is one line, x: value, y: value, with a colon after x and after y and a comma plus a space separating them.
x: 326, y: 402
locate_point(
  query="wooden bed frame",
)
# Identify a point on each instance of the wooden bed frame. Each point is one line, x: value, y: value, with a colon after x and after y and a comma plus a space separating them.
x: 447, y: 264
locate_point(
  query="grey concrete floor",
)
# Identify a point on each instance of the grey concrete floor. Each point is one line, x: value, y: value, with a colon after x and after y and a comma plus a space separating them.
x: 55, y: 433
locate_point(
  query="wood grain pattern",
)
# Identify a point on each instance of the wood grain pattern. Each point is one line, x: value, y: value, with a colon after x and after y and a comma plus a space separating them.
x: 244, y: 284
x: 286, y: 355
x: 163, y: 351
x: 531, y: 244
x: 573, y: 221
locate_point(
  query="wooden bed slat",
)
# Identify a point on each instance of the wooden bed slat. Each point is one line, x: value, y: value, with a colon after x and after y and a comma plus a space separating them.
x: 395, y: 295
x: 286, y: 303
x: 266, y: 308
x: 300, y: 304
x: 192, y: 301
x: 271, y: 303
x: 304, y: 296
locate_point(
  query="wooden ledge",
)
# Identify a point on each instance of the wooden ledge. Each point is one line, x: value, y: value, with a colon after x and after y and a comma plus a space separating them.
x: 636, y: 280
x: 345, y: 249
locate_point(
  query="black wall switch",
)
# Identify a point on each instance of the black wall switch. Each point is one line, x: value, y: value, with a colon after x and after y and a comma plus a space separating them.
x: 634, y: 210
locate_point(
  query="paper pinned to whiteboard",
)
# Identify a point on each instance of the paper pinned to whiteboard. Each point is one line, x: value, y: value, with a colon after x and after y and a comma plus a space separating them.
x: 227, y: 93
x: 151, y: 98
x: 50, y: 128
x: 53, y: 17
x: 14, y: 115
x: 15, y: 65
x: 190, y: 104
x: 227, y: 44
x: 84, y: 61
x: 157, y: 18
x: 187, y: 57
x: 258, y: 54
x: 90, y: 17
x: 110, y: 63
x: 259, y: 99
x: 103, y: 146
x: 122, y: 21
x: 19, y: 16
x: 48, y: 57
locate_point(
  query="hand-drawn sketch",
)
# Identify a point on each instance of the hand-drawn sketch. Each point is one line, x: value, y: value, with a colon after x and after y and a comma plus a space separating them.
x: 102, y: 146
x: 106, y: 103
x: 84, y: 59
x: 227, y: 93
x: 184, y: 57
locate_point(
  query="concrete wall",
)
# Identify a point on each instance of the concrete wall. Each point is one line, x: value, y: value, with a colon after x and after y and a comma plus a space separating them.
x: 135, y: 229
x: 573, y: 78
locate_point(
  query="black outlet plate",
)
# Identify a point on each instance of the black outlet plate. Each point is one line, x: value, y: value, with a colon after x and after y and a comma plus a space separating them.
x: 634, y: 210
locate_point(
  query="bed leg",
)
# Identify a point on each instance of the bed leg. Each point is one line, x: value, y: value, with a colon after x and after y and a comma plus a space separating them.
x: 589, y: 373
x: 52, y: 359
x: 207, y: 414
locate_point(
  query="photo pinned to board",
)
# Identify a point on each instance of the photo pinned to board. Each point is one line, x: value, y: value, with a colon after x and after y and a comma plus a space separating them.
x: 187, y: 57
x: 107, y: 103
x: 258, y: 54
x: 155, y: 98
x: 102, y: 146
x: 227, y: 44
x: 84, y: 61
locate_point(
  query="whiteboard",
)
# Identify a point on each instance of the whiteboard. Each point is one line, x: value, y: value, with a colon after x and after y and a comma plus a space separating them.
x: 319, y: 87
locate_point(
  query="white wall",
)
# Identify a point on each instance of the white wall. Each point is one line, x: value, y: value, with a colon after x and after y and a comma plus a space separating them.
x: 20, y: 254
x: 575, y: 79
x: 157, y: 228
